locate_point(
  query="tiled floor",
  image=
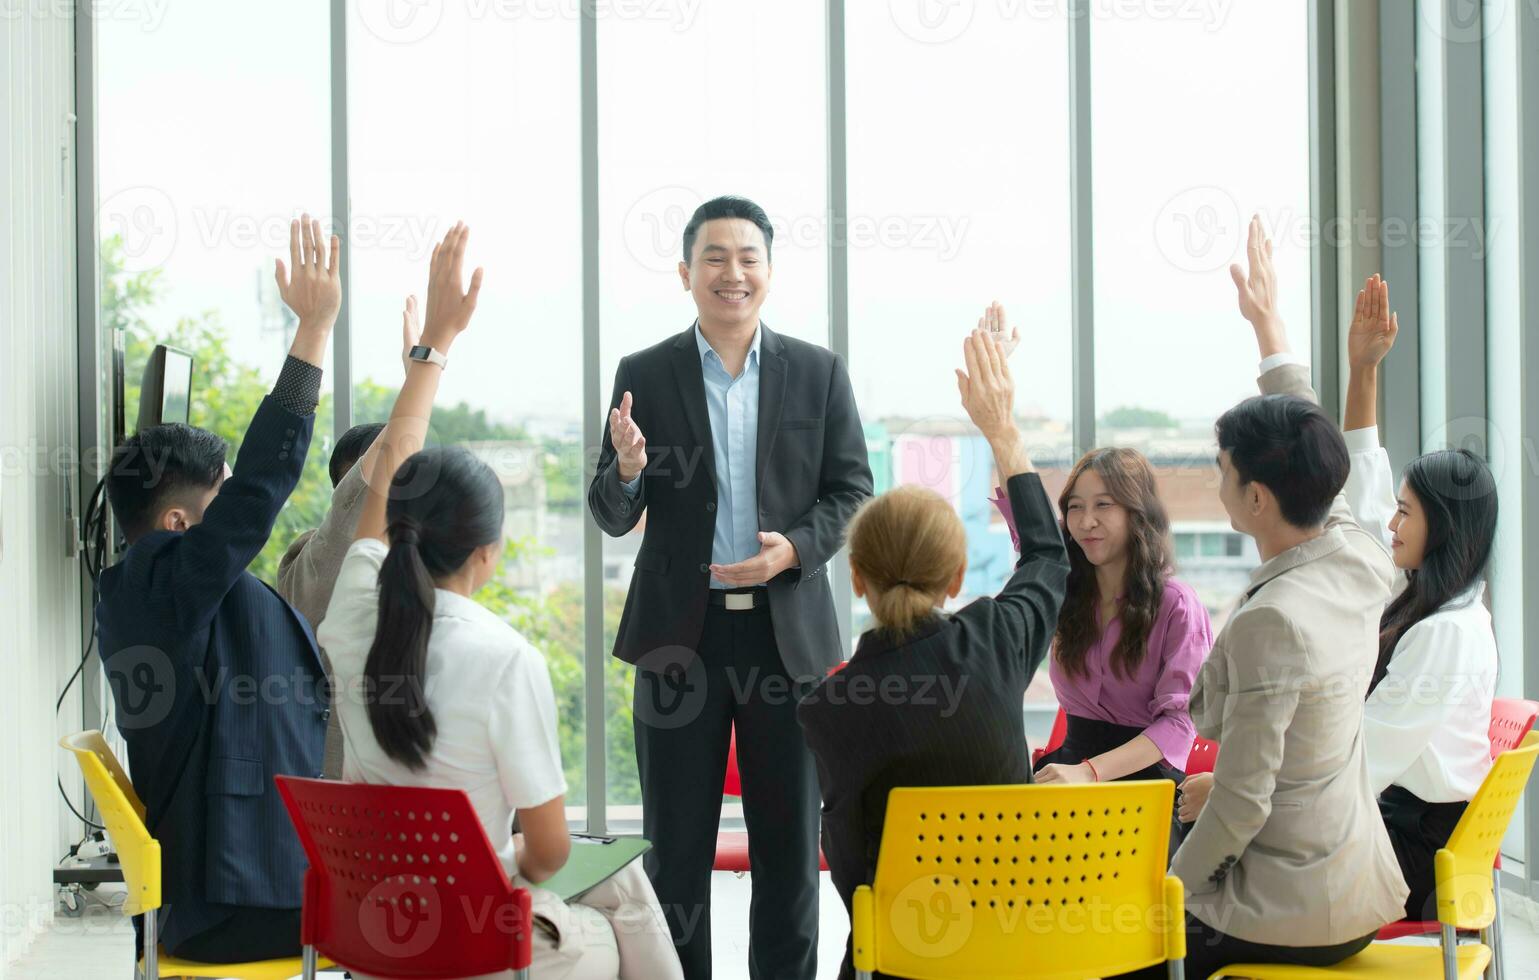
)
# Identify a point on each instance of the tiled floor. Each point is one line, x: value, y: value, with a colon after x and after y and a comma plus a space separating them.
x: 99, y: 944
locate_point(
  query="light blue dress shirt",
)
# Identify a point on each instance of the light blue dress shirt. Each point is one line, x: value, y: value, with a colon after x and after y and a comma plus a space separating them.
x: 733, y: 406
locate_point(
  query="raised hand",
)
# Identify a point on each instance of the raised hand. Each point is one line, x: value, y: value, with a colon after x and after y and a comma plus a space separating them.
x: 449, y: 304
x: 314, y: 291
x: 776, y: 554
x: 988, y: 392
x: 993, y: 323
x: 1257, y: 288
x: 1374, y: 327
x: 630, y: 445
x: 411, y: 331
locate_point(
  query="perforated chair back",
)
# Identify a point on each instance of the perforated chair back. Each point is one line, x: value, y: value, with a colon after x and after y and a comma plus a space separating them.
x: 1511, y: 719
x: 1204, y: 755
x: 123, y: 816
x: 1465, y: 896
x: 1022, y: 881
x: 403, y: 881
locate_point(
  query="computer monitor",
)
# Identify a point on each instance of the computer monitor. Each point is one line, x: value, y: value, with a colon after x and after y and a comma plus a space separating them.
x: 166, y: 393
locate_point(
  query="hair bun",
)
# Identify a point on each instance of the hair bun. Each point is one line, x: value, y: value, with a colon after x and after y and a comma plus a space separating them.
x: 404, y: 531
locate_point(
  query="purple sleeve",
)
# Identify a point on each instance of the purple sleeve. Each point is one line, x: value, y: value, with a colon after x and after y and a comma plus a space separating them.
x: 1002, y: 502
x: 1185, y: 640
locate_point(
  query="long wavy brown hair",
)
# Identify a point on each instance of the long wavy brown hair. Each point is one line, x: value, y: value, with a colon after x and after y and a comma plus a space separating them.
x: 1130, y: 481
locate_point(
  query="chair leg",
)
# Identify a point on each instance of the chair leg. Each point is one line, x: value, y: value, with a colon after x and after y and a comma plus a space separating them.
x: 863, y: 974
x: 1498, y: 967
x: 521, y: 974
x: 1177, y: 969
x: 308, y: 963
x: 1450, y: 954
x: 151, y: 946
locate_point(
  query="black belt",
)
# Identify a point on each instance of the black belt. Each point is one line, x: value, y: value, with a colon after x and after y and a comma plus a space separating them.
x: 740, y: 600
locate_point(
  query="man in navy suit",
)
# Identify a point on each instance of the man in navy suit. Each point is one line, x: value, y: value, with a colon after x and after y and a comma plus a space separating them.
x: 216, y: 680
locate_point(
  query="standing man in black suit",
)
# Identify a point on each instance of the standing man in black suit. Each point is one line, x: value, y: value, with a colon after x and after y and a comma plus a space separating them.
x: 745, y: 451
x: 217, y: 682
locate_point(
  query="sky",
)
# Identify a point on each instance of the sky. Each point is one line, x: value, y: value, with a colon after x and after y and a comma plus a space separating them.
x: 214, y: 130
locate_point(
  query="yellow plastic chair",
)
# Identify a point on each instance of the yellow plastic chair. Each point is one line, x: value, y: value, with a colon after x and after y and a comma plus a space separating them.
x: 1048, y: 882
x: 1466, y: 894
x: 139, y: 853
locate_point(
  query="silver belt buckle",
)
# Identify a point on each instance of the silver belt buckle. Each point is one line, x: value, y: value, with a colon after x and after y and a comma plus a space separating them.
x: 738, y: 601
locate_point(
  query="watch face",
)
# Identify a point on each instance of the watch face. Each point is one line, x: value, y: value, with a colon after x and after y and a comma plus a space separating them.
x: 419, y: 353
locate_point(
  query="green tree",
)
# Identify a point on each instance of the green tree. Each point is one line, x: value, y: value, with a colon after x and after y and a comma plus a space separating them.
x: 1132, y: 417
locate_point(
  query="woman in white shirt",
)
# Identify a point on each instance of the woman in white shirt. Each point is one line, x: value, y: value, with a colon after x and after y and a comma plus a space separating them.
x: 1428, y: 710
x: 432, y: 689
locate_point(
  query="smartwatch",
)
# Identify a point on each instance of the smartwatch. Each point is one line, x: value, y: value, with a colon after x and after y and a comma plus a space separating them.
x: 428, y: 355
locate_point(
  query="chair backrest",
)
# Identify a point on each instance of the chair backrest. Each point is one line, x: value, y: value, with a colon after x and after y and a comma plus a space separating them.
x: 1055, y: 737
x: 734, y: 782
x: 123, y: 816
x: 403, y: 881
x: 1463, y: 867
x: 1511, y: 719
x: 1204, y: 754
x: 1029, y: 881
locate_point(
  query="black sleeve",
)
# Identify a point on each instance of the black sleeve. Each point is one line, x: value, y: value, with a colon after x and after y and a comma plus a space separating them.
x: 1027, y: 607
x: 614, y: 510
x: 844, y: 480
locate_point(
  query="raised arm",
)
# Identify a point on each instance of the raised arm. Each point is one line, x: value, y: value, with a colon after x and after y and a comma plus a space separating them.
x: 1370, y: 489
x: 213, y: 553
x: 449, y: 308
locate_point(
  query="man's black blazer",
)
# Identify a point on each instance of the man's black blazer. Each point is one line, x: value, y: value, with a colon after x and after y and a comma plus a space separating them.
x: 811, y: 475
x: 218, y: 688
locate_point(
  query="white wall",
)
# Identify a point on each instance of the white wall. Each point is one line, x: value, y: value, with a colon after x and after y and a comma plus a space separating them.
x: 39, y: 592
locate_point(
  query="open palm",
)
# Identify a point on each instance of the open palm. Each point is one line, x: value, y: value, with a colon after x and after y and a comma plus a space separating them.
x: 1374, y: 327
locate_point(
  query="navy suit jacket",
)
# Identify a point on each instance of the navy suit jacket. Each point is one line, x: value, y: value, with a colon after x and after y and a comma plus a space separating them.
x: 218, y: 687
x: 812, y: 474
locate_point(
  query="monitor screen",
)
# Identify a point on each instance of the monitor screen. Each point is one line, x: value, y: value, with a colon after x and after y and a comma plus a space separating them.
x: 166, y: 393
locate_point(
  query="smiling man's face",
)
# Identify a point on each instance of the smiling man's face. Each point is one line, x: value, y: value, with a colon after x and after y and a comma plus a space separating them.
x: 729, y: 272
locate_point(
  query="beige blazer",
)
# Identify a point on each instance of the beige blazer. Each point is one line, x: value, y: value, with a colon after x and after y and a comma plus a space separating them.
x: 1290, y: 849
x: 307, y: 573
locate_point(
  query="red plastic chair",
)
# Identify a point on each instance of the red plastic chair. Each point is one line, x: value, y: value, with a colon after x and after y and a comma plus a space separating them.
x: 404, y: 883
x: 1511, y: 719
x: 1054, y: 739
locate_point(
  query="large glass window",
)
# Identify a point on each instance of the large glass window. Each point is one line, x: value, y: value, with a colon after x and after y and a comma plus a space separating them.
x: 471, y: 112
x: 1198, y: 122
x: 958, y: 196
x: 691, y: 106
x: 208, y: 146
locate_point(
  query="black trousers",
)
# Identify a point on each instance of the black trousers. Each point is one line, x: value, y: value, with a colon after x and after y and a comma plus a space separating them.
x: 1417, y: 830
x: 1207, y: 949
x: 250, y: 934
x: 686, y: 703
x: 1085, y: 738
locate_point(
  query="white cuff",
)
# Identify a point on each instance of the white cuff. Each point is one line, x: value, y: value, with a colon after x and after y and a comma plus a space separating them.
x: 1278, y: 360
x: 1362, y: 440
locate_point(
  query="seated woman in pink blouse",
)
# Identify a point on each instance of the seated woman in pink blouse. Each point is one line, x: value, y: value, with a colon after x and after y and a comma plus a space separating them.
x: 1130, y: 637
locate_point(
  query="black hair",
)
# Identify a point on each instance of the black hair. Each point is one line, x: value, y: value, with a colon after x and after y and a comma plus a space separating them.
x: 727, y: 207
x: 444, y: 504
x: 1457, y: 494
x: 160, y: 466
x: 351, y: 447
x: 1291, y: 447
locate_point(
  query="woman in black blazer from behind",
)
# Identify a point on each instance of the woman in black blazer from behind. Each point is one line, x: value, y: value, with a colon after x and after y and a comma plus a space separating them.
x: 932, y: 699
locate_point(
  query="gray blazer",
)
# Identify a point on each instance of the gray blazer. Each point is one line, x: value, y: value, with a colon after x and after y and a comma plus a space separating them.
x: 1290, y: 849
x: 308, y: 572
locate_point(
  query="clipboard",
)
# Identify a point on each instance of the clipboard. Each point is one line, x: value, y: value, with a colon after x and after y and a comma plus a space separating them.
x: 593, y: 861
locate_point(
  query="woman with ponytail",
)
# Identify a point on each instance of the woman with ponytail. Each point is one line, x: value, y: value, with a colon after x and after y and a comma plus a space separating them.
x: 433, y: 689
x: 1428, y: 711
x: 931, y: 699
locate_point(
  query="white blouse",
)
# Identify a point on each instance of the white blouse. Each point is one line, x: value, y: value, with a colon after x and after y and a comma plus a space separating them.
x: 1425, y: 726
x: 487, y: 687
